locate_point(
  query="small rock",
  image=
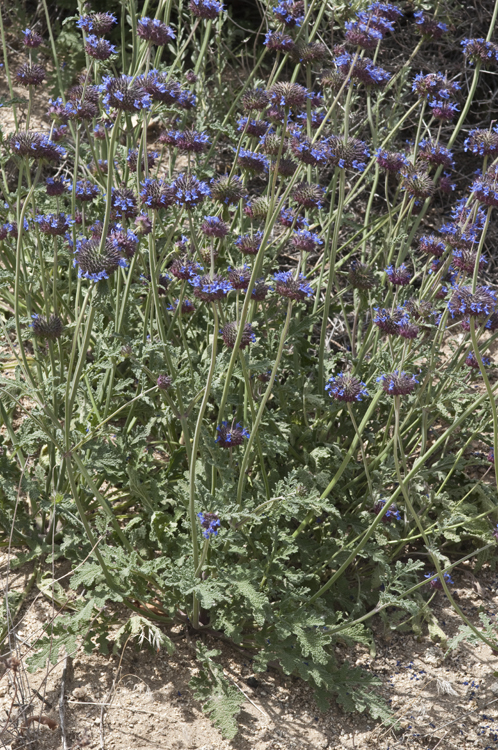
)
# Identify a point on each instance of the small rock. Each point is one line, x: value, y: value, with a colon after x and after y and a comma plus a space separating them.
x: 494, y: 688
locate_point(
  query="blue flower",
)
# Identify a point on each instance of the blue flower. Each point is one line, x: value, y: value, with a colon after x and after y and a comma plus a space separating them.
x: 252, y: 161
x: 210, y: 524
x: 189, y: 191
x: 99, y: 48
x: 346, y: 387
x: 398, y: 383
x: 436, y: 583
x: 229, y: 436
x: 287, y: 286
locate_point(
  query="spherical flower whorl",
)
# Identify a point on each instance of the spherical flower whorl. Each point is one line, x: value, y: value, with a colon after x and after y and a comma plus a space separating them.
x: 187, y: 307
x: 260, y: 290
x: 289, y: 12
x: 445, y: 183
x: 213, y: 226
x: 257, y: 208
x: 96, y: 263
x: 124, y: 239
x: 85, y: 190
x: 124, y: 203
x: 239, y: 277
x: 228, y: 190
x: 471, y: 361
x: 390, y: 161
x: 31, y: 38
x: 390, y: 515
x: 310, y: 53
x: 210, y: 523
x: 485, y: 188
x: 408, y: 330
x: 429, y: 27
x: 400, y: 276
x: 443, y: 110
x: 163, y: 89
x: 289, y: 218
x: 435, y: 153
x: 463, y: 301
x: 398, y: 383
x: 287, y: 286
x: 350, y: 153
x: 416, y: 182
x: 465, y: 260
x: 210, y: 289
x: 333, y: 80
x: 249, y: 244
x: 480, y: 50
x: 308, y: 152
x: 305, y: 241
x: 184, y: 268
x: 256, y: 128
x: 157, y: 194
x: 286, y: 94
x: 361, y: 276
x: 434, y: 84
x: 155, y: 31
x: 231, y: 435
x: 346, y: 387
x: 252, y: 161
x: 308, y: 195
x: 257, y: 99
x: 99, y: 48
x: 361, y: 35
x: 482, y: 142
x: 132, y: 160
x: 390, y: 322
x: 208, y: 9
x: 164, y: 382
x: 229, y: 335
x: 36, y: 146
x: 436, y: 582
x: 277, y: 41
x: 47, y: 329
x: 54, y: 224
x: 190, y: 141
x: 125, y: 93
x: 97, y: 23
x: 189, y: 191
x: 363, y: 70
x: 30, y: 74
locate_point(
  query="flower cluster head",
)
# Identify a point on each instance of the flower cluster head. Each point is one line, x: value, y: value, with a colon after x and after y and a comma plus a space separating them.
x: 442, y: 109
x: 257, y: 99
x: 208, y: 9
x: 333, y: 80
x: 464, y: 301
x: 308, y: 152
x: 391, y: 322
x: 97, y: 260
x: 429, y: 27
x: 155, y: 31
x: 189, y: 191
x: 432, y: 245
x: 390, y: 515
x: 54, y: 224
x: 435, y: 85
x: 55, y: 186
x: 308, y: 195
x: 85, y: 190
x: 249, y: 244
x: 289, y: 12
x: 416, y: 182
x: 31, y: 74
x: 398, y: 383
x: 229, y: 335
x: 97, y: 23
x: 436, y: 582
x: 348, y: 153
x: 125, y: 93
x: 210, y: 288
x: 36, y: 146
x: 471, y: 361
x: 252, y: 161
x: 239, y: 277
x: 47, y: 329
x: 305, y: 241
x: 124, y: 203
x: 132, y: 160
x: 435, y: 153
x: 187, y: 307
x: 485, y: 188
x: 190, y: 141
x: 288, y: 286
x: 164, y: 382
x: 256, y: 128
x: 446, y: 185
x: 287, y: 94
x: 289, y: 218
x: 99, y: 48
x: 257, y: 208
x: 124, y: 239
x: 400, y: 276
x: 480, y: 50
x: 309, y: 53
x: 166, y: 90
x: 184, y: 268
x: 465, y: 260
x: 228, y: 190
x: 156, y: 194
x: 231, y: 435
x: 390, y: 161
x: 482, y: 142
x: 361, y: 70
x: 210, y: 523
x: 361, y: 276
x: 346, y: 387
x: 260, y: 290
x: 213, y: 226
x: 31, y: 38
x: 278, y: 41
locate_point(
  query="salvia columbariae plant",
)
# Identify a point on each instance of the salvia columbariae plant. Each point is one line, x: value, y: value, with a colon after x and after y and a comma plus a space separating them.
x: 248, y: 326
